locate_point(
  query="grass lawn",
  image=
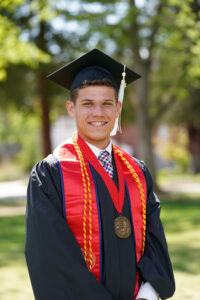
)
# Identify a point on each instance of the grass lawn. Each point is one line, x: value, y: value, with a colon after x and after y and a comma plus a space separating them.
x: 181, y: 221
x: 14, y: 278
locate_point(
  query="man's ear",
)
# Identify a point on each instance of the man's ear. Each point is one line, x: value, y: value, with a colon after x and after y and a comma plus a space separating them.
x: 70, y: 106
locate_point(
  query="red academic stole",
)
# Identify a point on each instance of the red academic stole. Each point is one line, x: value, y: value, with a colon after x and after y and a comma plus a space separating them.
x: 80, y: 202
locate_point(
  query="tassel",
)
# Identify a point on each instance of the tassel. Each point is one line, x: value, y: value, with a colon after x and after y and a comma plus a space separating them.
x: 117, y: 126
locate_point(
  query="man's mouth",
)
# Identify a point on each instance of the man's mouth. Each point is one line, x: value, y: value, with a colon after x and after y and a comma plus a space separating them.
x: 98, y: 123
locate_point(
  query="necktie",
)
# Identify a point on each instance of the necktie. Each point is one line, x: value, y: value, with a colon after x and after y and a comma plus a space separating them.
x: 105, y: 160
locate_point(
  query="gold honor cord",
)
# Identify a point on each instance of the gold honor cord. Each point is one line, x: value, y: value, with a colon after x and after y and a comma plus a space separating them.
x: 135, y: 176
x: 87, y: 203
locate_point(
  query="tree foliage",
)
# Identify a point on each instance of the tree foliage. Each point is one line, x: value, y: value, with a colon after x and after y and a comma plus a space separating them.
x: 159, y: 39
x: 13, y: 50
x: 176, y: 78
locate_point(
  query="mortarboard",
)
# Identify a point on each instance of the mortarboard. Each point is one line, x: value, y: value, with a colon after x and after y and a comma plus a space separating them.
x: 92, y: 66
x: 95, y: 65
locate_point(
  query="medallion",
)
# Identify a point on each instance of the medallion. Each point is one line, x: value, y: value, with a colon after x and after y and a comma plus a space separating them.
x: 122, y: 227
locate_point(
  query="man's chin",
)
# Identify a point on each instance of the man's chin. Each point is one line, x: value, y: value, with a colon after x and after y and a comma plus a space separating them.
x: 97, y: 138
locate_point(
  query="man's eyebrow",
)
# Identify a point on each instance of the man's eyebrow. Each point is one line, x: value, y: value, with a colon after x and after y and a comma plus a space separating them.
x: 86, y: 99
x: 112, y: 100
x: 91, y: 100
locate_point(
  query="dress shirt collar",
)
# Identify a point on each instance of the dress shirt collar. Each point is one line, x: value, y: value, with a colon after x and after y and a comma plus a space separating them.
x: 97, y: 151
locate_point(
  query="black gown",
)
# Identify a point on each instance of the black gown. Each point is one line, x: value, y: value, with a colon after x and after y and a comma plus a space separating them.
x: 56, y: 265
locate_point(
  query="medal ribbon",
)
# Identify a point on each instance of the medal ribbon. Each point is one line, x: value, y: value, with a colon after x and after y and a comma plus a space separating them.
x: 116, y: 195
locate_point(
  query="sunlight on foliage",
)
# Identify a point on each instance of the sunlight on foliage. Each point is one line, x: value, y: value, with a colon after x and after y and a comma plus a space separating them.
x: 10, y: 4
x: 14, y: 51
x: 43, y: 9
x: 186, y: 37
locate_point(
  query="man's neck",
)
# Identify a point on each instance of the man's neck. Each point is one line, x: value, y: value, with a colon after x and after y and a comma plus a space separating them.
x: 97, y: 150
x: 98, y: 144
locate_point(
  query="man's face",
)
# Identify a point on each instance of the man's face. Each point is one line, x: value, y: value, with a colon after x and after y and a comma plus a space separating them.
x: 95, y: 112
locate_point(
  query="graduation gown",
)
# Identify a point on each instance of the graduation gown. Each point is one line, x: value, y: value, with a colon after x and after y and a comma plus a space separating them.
x: 55, y: 262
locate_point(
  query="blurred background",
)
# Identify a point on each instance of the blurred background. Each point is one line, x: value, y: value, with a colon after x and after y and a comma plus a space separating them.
x: 159, y: 39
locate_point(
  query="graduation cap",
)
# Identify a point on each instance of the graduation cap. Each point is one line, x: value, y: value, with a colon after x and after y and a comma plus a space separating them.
x: 94, y: 65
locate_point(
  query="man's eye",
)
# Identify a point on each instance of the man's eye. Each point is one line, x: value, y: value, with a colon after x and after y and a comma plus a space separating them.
x: 87, y: 104
x: 107, y: 103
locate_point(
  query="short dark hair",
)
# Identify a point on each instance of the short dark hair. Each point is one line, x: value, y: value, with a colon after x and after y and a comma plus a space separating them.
x: 104, y: 82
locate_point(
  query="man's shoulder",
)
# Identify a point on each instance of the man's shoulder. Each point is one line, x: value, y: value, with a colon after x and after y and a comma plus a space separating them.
x: 47, y: 164
x: 140, y: 163
x: 49, y: 160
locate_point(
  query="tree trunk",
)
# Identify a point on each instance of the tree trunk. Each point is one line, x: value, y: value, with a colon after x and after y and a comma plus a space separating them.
x: 45, y: 121
x: 143, y: 120
x: 194, y: 147
x: 145, y: 148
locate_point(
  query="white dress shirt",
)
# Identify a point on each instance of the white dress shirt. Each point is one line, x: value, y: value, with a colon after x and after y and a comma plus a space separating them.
x: 146, y: 291
x: 97, y: 151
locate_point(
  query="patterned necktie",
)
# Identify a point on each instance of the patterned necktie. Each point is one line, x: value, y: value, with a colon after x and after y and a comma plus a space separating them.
x: 105, y: 160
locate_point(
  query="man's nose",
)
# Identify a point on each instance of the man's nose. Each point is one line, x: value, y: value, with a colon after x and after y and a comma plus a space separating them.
x: 98, y: 109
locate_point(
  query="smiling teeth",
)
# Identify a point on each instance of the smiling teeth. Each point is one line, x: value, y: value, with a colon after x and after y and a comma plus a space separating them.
x: 97, y: 123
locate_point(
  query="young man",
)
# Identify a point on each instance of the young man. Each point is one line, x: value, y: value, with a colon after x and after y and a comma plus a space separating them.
x: 93, y: 225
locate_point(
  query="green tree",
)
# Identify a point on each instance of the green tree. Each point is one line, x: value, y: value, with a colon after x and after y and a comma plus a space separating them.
x: 160, y: 40
x: 176, y: 81
x: 129, y: 31
x: 12, y: 49
x: 49, y: 25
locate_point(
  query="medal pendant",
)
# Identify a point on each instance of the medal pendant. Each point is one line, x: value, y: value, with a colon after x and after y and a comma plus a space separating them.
x: 122, y: 227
